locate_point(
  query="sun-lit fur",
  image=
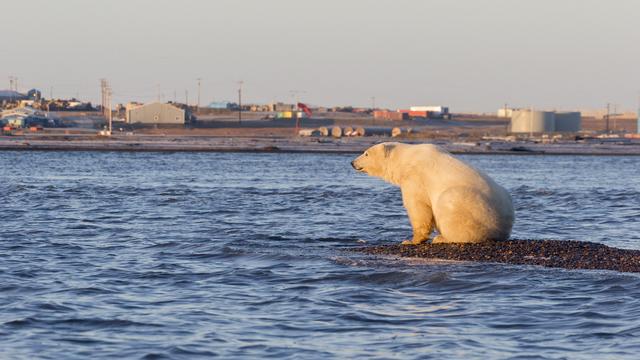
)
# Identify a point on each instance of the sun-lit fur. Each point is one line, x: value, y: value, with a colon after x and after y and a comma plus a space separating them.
x: 441, y: 192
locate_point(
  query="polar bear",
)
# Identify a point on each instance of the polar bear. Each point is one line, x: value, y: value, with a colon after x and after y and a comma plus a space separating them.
x: 441, y: 192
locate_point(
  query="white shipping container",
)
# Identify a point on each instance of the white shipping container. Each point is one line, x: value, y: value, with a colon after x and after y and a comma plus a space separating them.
x: 434, y: 109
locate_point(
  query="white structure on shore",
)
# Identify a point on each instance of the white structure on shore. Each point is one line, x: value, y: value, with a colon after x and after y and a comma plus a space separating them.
x: 505, y: 112
x: 435, y: 110
x: 154, y: 113
x: 539, y: 122
x: 528, y: 121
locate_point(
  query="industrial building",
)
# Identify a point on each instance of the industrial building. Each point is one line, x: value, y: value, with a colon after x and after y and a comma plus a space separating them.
x: 26, y: 117
x: 154, y: 113
x: 568, y: 121
x: 281, y: 107
x: 539, y: 122
x: 12, y: 95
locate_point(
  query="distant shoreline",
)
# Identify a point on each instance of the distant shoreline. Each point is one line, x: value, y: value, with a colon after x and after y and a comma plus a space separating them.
x: 307, y: 145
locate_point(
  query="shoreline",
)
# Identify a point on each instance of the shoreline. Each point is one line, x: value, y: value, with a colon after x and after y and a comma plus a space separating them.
x: 305, y: 145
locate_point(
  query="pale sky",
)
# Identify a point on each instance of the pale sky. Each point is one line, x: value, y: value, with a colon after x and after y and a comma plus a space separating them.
x: 473, y: 55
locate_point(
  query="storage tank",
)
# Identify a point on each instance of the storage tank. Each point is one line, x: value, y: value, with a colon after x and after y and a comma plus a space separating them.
x: 568, y: 121
x: 527, y: 121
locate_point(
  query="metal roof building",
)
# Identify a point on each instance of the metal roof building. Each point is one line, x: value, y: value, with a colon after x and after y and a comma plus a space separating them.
x: 154, y: 113
x: 10, y: 95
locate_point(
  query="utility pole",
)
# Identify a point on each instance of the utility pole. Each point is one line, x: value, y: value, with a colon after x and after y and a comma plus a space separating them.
x: 373, y: 103
x: 106, y: 93
x: 506, y: 130
x: 240, y: 101
x: 198, y: 105
x: 607, y: 117
x: 11, y: 87
x: 103, y: 87
x: 158, y: 88
x: 186, y: 98
x: 615, y: 117
x: 13, y: 83
x: 110, y: 114
x: 531, y: 123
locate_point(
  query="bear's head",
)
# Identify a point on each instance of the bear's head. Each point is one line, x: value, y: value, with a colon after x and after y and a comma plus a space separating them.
x: 374, y: 160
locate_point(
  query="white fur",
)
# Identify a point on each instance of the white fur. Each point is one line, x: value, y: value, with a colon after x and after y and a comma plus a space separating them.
x: 441, y: 192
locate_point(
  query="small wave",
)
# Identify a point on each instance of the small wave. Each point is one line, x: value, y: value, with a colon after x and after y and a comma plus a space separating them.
x: 77, y: 323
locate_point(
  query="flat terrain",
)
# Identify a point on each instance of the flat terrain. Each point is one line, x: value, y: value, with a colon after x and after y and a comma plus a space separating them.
x: 463, y: 134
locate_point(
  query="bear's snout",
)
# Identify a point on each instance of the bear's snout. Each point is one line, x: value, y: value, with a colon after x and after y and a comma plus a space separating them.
x: 355, y: 166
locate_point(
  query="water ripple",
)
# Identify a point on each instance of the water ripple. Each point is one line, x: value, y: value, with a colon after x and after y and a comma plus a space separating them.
x: 163, y: 256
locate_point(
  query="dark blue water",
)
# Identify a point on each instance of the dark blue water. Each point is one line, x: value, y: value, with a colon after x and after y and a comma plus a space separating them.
x: 155, y: 256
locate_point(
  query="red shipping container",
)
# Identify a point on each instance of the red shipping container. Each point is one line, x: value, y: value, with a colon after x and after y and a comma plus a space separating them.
x: 390, y: 115
x: 394, y: 116
x: 378, y: 114
x: 423, y: 114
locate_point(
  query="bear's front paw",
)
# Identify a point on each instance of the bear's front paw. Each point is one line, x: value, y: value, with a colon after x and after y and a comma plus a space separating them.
x: 413, y: 242
x: 439, y: 240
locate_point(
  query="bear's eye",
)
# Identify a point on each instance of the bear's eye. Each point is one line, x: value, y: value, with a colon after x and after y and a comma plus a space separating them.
x: 366, y: 154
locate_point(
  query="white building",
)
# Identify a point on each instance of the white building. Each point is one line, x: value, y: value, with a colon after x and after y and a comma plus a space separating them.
x: 154, y: 113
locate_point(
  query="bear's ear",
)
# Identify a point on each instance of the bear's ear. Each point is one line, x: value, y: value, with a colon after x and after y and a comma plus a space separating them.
x: 388, y: 148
